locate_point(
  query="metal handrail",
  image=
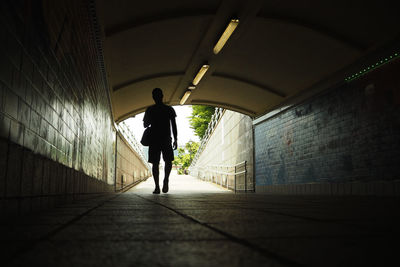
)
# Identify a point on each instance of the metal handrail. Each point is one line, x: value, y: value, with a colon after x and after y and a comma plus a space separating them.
x: 211, y: 170
x: 228, y: 166
x: 229, y: 173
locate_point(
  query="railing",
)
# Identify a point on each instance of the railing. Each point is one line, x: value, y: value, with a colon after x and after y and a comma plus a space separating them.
x: 231, y: 177
x: 128, y: 135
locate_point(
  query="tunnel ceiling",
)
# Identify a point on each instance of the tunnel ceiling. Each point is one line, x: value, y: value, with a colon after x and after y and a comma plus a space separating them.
x: 280, y: 49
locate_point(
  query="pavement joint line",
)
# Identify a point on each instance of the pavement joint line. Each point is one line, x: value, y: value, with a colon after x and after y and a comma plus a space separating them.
x: 141, y: 240
x: 263, y: 252
x: 286, y: 214
x: 309, y: 218
x: 24, y: 249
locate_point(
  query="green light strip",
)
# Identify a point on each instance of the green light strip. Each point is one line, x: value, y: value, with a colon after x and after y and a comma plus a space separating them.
x: 372, y: 67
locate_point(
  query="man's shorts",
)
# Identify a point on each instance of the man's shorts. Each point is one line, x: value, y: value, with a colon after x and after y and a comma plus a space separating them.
x: 165, y: 148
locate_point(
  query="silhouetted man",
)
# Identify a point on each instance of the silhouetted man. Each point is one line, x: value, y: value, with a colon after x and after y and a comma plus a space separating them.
x: 160, y: 117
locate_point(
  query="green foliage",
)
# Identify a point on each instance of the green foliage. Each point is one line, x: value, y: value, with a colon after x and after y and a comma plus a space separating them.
x: 185, y: 156
x: 201, y: 116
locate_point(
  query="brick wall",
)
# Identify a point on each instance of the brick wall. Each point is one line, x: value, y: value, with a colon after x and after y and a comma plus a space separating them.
x: 56, y: 127
x: 344, y: 141
x: 130, y: 166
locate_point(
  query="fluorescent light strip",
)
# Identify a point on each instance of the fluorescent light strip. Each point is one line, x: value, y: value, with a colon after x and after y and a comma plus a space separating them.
x: 200, y: 74
x: 225, y: 36
x: 185, y: 97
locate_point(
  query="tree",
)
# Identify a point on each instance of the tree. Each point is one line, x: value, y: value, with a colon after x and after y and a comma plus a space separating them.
x: 185, y: 156
x: 201, y: 117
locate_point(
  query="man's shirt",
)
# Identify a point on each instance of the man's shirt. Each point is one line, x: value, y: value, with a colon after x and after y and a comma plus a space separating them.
x: 159, y: 116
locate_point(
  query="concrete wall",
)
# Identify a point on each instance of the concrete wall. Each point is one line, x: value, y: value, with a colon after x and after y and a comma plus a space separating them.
x: 343, y: 141
x: 56, y: 128
x: 131, y: 168
x: 230, y: 143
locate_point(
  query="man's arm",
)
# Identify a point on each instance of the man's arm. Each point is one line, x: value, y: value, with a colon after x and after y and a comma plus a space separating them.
x: 175, y: 132
x: 146, y: 121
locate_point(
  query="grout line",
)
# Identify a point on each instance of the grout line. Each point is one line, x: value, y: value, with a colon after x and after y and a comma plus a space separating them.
x: 307, y: 218
x: 232, y: 238
x: 285, y: 214
x: 56, y: 195
x: 52, y: 233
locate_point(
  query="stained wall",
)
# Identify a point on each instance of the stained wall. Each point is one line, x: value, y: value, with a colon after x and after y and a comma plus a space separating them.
x: 345, y: 140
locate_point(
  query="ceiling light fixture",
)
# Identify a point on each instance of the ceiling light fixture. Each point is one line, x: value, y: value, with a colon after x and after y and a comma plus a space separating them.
x: 200, y: 74
x: 225, y: 36
x: 185, y: 97
x: 191, y: 87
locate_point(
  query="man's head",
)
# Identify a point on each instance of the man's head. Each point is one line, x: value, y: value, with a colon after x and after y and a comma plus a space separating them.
x: 157, y: 95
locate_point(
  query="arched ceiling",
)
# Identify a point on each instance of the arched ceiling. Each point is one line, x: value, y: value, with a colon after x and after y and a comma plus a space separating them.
x: 279, y: 50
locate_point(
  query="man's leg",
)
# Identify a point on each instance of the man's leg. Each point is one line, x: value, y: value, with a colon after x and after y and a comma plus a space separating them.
x: 167, y: 171
x: 154, y: 158
x: 156, y: 175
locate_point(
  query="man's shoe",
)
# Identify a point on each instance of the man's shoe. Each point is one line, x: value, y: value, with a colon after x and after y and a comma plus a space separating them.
x: 157, y: 190
x: 165, y: 188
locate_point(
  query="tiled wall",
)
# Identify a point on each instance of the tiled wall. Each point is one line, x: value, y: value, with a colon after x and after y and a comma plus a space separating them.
x: 54, y: 108
x: 345, y: 141
x: 230, y: 143
x: 130, y: 166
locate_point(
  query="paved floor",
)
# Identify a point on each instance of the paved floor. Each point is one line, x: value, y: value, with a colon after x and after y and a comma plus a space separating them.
x: 200, y: 224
